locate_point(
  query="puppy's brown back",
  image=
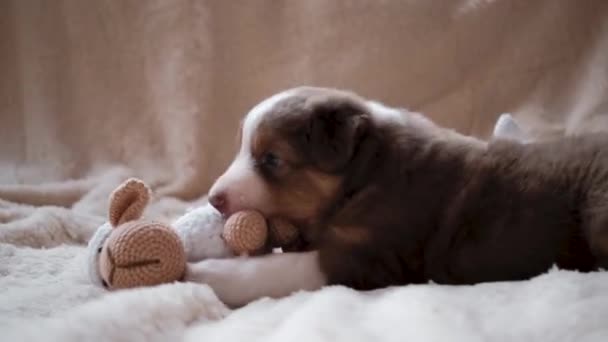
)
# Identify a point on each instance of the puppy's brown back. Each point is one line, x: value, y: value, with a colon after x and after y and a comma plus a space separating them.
x: 432, y: 210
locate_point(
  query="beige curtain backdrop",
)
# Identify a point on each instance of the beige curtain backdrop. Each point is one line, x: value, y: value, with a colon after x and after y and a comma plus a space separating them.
x: 105, y: 89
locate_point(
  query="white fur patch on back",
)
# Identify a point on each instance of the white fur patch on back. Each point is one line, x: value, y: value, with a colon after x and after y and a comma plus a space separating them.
x: 507, y: 128
x: 385, y: 114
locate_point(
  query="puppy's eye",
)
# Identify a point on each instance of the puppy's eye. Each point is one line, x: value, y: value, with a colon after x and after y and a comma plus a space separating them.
x: 270, y: 160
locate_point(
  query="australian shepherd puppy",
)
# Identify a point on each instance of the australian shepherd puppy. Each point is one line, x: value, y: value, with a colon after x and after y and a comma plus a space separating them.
x: 385, y: 197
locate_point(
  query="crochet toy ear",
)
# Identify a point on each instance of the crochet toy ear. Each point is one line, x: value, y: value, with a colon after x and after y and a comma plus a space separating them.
x: 128, y: 201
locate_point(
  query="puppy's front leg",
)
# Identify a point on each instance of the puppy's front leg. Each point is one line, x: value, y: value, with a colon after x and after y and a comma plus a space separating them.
x: 238, y: 281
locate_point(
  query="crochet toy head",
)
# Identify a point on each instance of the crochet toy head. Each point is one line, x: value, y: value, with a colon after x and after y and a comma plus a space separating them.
x: 130, y: 252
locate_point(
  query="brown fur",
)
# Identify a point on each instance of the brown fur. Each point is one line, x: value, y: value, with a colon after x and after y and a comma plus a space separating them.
x: 350, y: 235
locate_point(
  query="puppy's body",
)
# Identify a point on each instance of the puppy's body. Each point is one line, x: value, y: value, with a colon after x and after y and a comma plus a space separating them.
x: 388, y: 198
x: 433, y: 210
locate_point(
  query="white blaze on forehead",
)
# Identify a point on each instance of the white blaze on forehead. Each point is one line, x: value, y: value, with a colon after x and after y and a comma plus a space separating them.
x: 241, y: 184
x: 255, y: 116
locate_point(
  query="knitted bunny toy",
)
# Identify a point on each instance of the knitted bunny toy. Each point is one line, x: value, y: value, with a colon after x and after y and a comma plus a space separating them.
x: 128, y: 251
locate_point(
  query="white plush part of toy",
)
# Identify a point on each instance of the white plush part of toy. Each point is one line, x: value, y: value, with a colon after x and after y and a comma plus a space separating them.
x: 94, y: 247
x: 200, y: 230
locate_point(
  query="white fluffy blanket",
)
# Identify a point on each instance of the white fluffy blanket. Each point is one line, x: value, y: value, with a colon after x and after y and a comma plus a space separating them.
x: 558, y: 306
x: 45, y: 295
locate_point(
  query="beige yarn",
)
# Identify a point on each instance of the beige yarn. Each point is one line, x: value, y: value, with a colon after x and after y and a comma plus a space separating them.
x: 142, y: 253
x: 145, y: 253
x: 128, y: 201
x: 246, y: 232
x: 138, y: 252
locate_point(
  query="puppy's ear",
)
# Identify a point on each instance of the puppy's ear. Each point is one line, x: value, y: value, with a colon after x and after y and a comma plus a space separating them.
x: 334, y: 128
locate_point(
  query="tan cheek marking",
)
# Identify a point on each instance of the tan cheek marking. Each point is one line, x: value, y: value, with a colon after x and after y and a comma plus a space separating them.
x: 261, y: 142
x: 327, y: 185
x: 306, y: 194
x: 350, y: 235
x: 285, y: 152
x: 296, y: 203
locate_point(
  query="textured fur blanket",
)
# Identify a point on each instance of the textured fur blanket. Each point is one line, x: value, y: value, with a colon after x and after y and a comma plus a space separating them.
x: 46, y: 296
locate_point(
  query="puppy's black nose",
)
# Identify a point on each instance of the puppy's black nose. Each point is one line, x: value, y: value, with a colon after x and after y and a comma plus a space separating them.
x: 219, y: 202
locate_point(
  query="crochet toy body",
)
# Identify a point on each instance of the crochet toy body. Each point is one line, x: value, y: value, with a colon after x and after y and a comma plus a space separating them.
x: 130, y: 252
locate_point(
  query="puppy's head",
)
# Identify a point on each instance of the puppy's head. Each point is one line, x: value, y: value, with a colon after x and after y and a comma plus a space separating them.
x: 295, y: 149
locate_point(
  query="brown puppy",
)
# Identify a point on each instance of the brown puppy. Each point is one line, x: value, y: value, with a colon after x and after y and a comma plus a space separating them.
x: 385, y: 197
